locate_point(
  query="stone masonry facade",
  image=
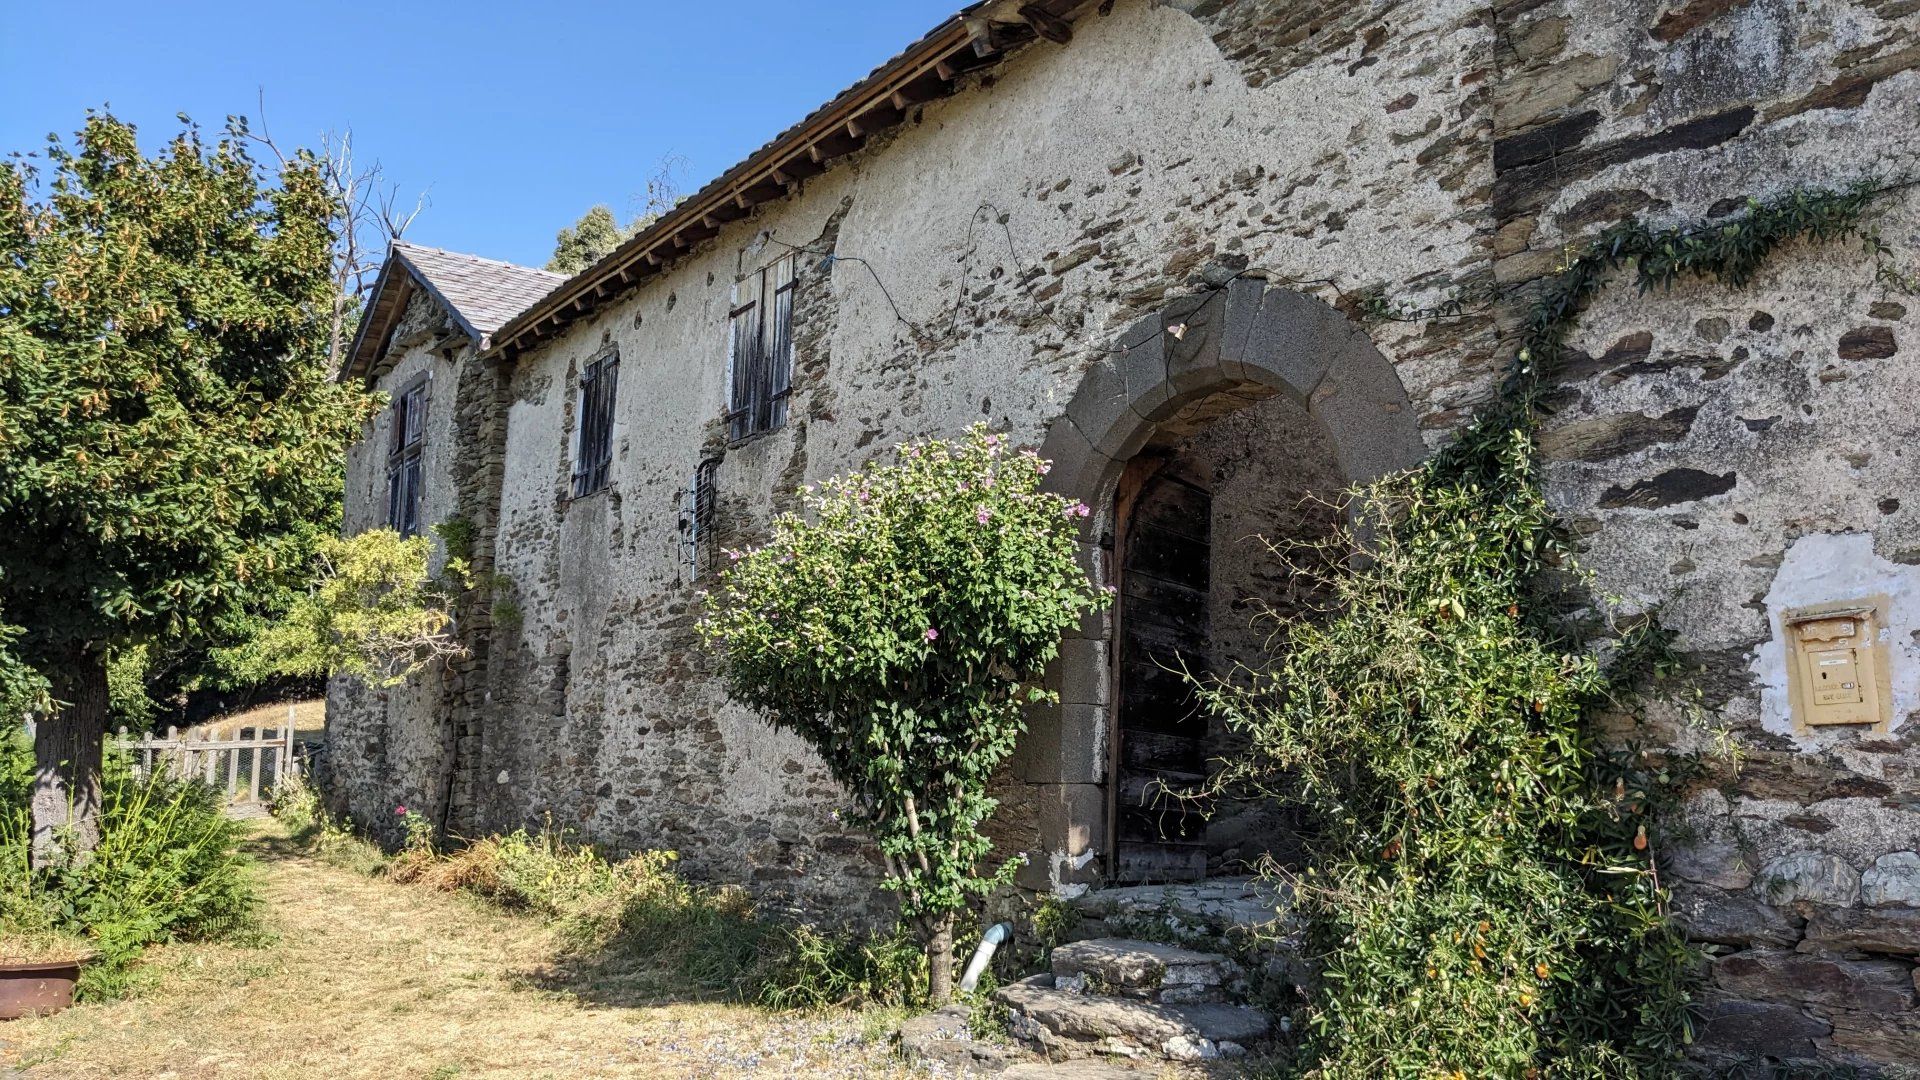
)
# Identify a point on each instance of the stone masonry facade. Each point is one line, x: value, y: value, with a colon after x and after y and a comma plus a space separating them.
x: 1020, y: 251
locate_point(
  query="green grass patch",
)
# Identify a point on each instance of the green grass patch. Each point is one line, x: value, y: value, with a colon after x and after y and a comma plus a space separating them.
x: 633, y: 926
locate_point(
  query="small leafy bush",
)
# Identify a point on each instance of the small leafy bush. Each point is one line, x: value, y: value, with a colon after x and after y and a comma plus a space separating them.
x: 1480, y: 896
x: 818, y: 969
x: 901, y: 627
x: 168, y: 868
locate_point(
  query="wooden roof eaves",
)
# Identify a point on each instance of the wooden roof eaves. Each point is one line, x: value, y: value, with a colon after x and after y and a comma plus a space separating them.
x: 376, y: 325
x: 966, y: 42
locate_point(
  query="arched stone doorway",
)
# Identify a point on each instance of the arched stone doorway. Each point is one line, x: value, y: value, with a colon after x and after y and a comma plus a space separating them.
x: 1268, y: 360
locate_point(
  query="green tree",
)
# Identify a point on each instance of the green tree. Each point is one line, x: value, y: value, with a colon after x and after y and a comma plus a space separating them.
x: 375, y: 611
x: 169, y: 429
x: 902, y: 631
x: 581, y: 244
x: 598, y: 232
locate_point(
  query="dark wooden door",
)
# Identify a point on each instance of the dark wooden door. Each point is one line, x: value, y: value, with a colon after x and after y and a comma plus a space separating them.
x: 1164, y: 546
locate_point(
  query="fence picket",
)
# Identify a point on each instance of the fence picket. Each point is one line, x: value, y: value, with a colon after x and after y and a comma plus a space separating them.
x: 253, y: 783
x: 233, y: 769
x: 191, y: 755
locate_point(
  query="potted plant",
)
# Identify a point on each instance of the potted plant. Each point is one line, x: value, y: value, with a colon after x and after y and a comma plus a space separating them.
x: 38, y: 973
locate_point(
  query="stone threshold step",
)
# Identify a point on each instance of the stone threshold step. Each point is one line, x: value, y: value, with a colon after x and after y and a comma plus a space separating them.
x: 1064, y: 1023
x: 1123, y: 967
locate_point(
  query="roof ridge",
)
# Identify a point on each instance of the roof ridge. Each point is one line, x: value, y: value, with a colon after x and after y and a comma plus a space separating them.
x: 399, y: 243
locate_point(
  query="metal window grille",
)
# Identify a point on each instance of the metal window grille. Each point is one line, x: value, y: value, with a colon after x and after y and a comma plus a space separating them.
x: 405, y: 479
x: 593, y: 453
x: 760, y: 353
x: 696, y: 515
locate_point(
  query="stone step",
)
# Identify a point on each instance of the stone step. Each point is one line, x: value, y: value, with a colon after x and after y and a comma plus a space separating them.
x: 945, y: 1036
x: 1066, y: 1023
x: 1215, y: 908
x: 1247, y: 918
x: 1146, y: 970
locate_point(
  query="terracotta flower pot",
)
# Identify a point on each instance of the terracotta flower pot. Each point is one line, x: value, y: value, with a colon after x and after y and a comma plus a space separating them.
x: 36, y: 989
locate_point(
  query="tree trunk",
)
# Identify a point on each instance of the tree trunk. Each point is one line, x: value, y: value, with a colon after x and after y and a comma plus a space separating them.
x: 67, y: 749
x: 940, y: 961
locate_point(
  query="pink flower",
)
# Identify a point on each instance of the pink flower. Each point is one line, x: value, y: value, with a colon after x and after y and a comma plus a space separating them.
x: 1045, y: 467
x: 1081, y: 509
x: 931, y: 633
x: 981, y: 515
x: 400, y: 810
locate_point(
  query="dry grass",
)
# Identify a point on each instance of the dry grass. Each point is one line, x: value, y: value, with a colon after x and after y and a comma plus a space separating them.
x: 309, y: 720
x: 366, y: 978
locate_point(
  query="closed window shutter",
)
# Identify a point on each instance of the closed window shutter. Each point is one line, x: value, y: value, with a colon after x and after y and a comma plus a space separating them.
x: 405, y: 478
x: 593, y: 443
x: 396, y: 485
x: 410, y: 518
x: 743, y: 351
x: 780, y: 358
x: 760, y: 352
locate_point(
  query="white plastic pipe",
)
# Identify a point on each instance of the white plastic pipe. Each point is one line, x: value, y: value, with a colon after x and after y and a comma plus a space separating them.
x: 982, y: 956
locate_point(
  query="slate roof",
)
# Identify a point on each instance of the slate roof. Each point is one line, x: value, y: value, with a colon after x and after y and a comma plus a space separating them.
x: 481, y: 295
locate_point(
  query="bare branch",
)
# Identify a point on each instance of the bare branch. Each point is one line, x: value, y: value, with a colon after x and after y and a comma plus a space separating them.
x: 368, y: 218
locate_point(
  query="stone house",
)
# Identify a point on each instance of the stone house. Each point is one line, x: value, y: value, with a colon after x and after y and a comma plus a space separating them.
x: 1140, y: 235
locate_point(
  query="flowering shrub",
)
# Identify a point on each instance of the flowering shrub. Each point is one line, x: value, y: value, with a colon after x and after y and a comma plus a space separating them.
x: 901, y: 629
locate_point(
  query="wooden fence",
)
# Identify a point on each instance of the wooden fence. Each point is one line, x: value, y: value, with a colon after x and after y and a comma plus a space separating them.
x: 251, y: 763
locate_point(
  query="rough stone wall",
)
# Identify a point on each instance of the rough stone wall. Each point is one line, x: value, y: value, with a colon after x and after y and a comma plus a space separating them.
x: 1723, y: 454
x: 1016, y: 231
x: 390, y: 746
x: 1729, y: 454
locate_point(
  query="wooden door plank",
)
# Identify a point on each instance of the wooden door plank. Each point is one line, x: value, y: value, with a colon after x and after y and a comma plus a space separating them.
x: 1148, y: 863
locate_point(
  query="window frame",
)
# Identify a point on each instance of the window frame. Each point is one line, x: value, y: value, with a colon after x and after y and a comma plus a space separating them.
x: 596, y: 393
x: 406, y: 454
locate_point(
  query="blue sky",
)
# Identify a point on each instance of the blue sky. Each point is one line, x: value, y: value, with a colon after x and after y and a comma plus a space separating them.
x: 514, y: 117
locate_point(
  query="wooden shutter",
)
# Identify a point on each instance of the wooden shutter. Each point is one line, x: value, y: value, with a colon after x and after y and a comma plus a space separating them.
x: 780, y: 351
x: 410, y: 510
x: 606, y: 384
x: 396, y: 485
x: 743, y: 366
x: 760, y: 351
x: 593, y: 442
x: 406, y: 444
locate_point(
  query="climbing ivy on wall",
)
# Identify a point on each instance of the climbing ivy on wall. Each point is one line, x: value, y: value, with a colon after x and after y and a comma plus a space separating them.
x: 1481, y: 887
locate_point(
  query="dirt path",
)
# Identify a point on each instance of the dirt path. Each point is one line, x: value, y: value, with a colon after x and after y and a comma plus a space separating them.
x: 362, y: 978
